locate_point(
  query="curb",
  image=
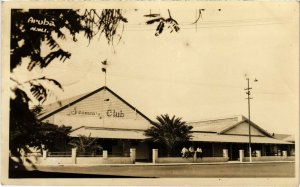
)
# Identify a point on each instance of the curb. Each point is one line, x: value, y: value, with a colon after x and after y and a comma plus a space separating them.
x: 166, y: 164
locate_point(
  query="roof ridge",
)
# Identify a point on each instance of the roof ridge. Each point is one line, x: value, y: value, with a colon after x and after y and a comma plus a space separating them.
x: 84, y: 96
x: 218, y: 118
x: 87, y: 94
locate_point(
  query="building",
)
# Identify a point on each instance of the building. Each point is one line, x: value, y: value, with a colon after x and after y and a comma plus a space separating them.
x: 119, y: 126
x: 232, y: 133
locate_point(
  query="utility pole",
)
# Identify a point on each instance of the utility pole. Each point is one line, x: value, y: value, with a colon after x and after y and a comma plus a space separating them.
x: 248, y: 92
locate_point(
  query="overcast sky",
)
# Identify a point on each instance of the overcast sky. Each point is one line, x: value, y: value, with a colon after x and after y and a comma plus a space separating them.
x: 198, y: 73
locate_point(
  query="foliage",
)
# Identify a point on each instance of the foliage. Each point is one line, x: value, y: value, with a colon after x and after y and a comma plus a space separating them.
x: 26, y: 131
x: 85, y: 144
x: 51, y: 137
x: 169, y: 22
x: 106, y: 22
x: 22, y: 123
x: 168, y: 132
x: 27, y: 43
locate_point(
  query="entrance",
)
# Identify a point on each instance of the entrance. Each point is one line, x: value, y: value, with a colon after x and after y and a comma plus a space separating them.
x: 234, y: 150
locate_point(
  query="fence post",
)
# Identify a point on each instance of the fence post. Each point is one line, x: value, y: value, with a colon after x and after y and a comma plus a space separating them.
x: 132, y: 154
x: 225, y: 153
x: 104, y: 154
x: 258, y: 153
x: 154, y: 155
x: 44, y: 154
x: 284, y: 153
x: 74, y: 155
x: 241, y: 155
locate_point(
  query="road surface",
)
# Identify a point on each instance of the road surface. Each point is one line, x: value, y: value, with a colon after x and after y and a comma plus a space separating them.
x: 226, y: 170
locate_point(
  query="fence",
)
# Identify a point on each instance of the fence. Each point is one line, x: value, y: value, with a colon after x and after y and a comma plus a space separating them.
x: 59, y: 154
x: 192, y: 159
x: 87, y: 154
x: 74, y: 157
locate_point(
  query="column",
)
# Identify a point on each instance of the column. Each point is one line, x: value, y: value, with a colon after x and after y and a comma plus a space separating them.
x: 258, y: 153
x: 225, y: 153
x: 74, y: 155
x: 133, y: 154
x: 154, y: 155
x: 44, y: 154
x: 104, y: 154
x: 242, y: 155
x: 284, y: 153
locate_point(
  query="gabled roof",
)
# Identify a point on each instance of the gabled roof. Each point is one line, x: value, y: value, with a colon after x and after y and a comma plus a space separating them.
x: 285, y: 137
x: 214, y: 137
x: 280, y: 136
x: 110, y: 133
x: 290, y: 138
x: 247, y: 121
x: 214, y: 125
x: 54, y: 108
x: 222, y: 125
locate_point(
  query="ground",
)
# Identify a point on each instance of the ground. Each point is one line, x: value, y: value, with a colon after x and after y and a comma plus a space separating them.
x: 218, y: 170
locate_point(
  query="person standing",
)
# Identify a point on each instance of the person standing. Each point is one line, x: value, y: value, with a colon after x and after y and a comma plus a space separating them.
x: 191, y: 151
x: 199, y: 152
x: 184, y: 152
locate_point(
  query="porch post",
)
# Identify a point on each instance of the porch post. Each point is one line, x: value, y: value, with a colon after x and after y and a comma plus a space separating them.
x: 104, y: 154
x: 154, y: 155
x: 225, y: 153
x: 133, y: 154
x: 44, y: 154
x: 258, y: 153
x: 74, y: 155
x: 284, y: 153
x: 241, y: 155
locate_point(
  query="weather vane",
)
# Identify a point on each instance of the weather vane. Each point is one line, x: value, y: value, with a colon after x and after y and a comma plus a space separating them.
x: 104, y: 66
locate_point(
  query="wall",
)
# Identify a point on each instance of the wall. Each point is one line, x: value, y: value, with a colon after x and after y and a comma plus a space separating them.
x: 100, y: 160
x: 56, y: 160
x: 102, y: 109
x: 190, y: 160
x: 271, y: 158
x: 243, y: 128
x: 79, y: 160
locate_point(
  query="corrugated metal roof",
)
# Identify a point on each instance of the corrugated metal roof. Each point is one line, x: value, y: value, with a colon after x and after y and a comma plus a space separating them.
x: 109, y: 133
x: 216, y: 125
x: 213, y: 137
x: 222, y: 125
x: 281, y: 136
x: 51, y: 109
x: 54, y: 106
x: 290, y: 138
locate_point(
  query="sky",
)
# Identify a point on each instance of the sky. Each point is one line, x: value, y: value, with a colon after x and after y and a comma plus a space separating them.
x: 199, y: 72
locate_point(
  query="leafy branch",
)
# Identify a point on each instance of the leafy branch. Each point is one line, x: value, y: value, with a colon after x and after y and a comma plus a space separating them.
x: 169, y: 23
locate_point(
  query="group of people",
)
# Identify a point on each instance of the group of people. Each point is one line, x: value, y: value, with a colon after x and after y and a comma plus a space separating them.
x: 191, y: 152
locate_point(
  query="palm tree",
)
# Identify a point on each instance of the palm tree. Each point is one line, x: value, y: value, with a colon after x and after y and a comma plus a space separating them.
x: 85, y: 144
x: 168, y: 132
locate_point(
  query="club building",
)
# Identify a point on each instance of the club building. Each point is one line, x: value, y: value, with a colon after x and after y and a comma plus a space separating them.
x: 119, y: 126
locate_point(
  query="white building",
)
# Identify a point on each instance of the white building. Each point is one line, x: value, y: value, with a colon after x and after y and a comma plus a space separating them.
x: 119, y: 126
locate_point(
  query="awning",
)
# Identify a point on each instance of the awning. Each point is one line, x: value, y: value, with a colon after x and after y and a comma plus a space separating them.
x: 201, y: 137
x: 213, y: 137
x: 109, y: 133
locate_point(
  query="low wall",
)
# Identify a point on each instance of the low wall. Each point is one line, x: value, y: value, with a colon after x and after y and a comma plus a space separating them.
x: 190, y: 160
x: 32, y: 160
x: 271, y: 158
x: 100, y: 160
x: 118, y: 160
